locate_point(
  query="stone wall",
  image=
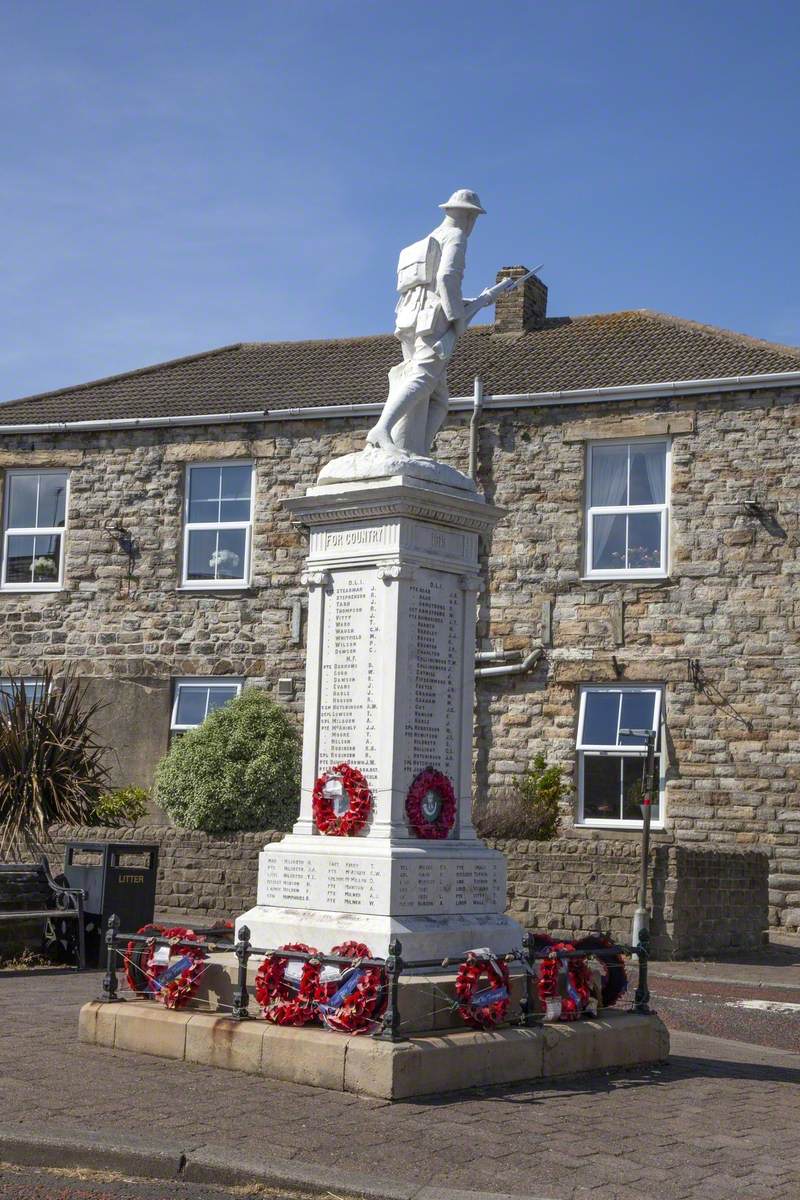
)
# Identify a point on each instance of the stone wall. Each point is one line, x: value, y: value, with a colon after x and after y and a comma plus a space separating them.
x: 705, y: 900
x: 731, y: 603
x: 201, y: 875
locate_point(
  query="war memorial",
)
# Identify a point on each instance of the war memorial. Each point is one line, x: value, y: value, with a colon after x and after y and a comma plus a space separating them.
x: 399, y: 973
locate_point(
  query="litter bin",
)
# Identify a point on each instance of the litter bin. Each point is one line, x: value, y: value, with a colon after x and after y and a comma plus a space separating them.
x: 117, y: 877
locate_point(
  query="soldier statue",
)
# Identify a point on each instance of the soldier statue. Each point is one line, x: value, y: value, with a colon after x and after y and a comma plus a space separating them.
x: 431, y: 315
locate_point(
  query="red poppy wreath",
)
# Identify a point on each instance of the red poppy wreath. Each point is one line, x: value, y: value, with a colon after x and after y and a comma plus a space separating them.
x: 353, y: 1002
x: 580, y: 999
x: 285, y: 989
x: 355, y: 816
x: 485, y: 1008
x: 431, y: 805
x: 169, y: 973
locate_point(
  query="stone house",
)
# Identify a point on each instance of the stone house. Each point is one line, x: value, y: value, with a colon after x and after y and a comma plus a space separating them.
x: 649, y: 469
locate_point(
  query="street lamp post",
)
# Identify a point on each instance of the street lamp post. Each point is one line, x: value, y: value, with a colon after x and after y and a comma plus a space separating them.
x: 641, y: 918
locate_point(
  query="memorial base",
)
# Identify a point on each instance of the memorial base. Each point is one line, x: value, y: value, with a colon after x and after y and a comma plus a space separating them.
x: 421, y: 1066
x: 439, y: 898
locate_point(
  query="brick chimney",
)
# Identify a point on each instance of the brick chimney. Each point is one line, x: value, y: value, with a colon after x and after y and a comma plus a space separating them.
x: 524, y: 308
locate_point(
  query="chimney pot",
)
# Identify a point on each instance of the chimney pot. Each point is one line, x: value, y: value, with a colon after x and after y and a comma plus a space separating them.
x: 525, y: 307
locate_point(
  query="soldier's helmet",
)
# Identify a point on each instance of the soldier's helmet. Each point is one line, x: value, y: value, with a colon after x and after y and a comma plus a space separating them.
x: 464, y: 198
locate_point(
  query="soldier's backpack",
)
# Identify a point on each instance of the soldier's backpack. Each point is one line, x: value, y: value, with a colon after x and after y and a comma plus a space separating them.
x: 418, y: 264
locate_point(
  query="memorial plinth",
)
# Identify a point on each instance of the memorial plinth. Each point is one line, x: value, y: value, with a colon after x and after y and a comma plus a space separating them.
x: 393, y: 582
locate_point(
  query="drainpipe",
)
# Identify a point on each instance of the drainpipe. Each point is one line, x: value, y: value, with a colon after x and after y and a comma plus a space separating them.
x: 483, y: 656
x: 477, y: 408
x: 527, y: 664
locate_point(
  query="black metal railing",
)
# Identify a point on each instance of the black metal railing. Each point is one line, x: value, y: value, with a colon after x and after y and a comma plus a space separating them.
x: 390, y: 1024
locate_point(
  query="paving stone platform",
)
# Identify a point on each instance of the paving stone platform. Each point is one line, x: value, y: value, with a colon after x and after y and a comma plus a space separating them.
x: 418, y: 1066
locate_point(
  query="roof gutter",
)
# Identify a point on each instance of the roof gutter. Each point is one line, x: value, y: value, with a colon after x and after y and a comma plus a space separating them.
x: 600, y: 395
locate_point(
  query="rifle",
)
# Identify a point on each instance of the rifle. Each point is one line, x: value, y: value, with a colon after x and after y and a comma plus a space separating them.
x: 490, y: 295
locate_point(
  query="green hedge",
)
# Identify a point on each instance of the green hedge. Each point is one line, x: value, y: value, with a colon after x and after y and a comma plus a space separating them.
x: 239, y: 770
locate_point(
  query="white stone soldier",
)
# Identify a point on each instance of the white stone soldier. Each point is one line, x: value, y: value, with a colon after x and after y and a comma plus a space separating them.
x: 431, y: 315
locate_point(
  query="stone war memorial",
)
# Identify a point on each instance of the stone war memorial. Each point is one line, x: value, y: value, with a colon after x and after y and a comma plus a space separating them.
x: 378, y: 948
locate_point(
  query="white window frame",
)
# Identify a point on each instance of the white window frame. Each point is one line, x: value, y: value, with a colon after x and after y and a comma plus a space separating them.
x: 590, y: 511
x: 584, y: 748
x: 204, y: 585
x: 199, y: 681
x: 28, y: 682
x: 53, y: 585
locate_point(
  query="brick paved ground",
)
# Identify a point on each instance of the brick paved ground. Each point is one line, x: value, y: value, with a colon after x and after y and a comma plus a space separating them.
x: 720, y: 1120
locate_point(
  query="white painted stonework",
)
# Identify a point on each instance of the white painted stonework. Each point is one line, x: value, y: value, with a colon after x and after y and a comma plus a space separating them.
x: 393, y: 582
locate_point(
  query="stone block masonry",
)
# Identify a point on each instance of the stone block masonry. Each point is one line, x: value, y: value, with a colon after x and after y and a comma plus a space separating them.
x: 731, y: 602
x: 706, y: 900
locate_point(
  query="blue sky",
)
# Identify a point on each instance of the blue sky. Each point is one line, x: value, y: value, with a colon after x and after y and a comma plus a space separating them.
x: 177, y: 176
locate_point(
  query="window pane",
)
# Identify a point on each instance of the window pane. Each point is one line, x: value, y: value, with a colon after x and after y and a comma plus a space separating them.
x: 191, y: 705
x: 648, y: 474
x: 46, y: 551
x: 217, y: 696
x: 202, y: 548
x: 609, y: 475
x: 204, y: 494
x: 644, y: 540
x: 22, y: 501
x: 608, y: 543
x: 52, y: 500
x: 601, y: 787
x: 229, y: 557
x: 600, y: 719
x: 632, y: 769
x: 638, y: 712
x: 19, y: 562
x: 235, y: 494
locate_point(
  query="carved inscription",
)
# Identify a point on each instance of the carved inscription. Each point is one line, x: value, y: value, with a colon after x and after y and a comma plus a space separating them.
x: 435, y: 630
x: 341, y: 883
x: 348, y: 692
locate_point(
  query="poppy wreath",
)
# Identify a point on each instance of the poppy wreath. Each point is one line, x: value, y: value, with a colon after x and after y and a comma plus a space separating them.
x: 486, y: 1008
x: 286, y: 1001
x: 356, y: 1000
x: 431, y: 781
x: 174, y: 982
x: 360, y: 797
x: 614, y: 982
x: 580, y: 985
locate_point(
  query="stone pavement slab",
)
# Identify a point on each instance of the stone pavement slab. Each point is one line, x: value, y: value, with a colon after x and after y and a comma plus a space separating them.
x: 719, y: 1120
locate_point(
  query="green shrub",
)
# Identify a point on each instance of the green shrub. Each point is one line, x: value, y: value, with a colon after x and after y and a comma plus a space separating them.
x: 530, y: 810
x: 239, y: 770
x: 123, y: 806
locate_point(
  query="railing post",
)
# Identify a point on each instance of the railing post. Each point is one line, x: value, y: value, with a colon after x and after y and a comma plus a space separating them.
x: 109, y: 993
x: 241, y: 997
x: 390, y: 1023
x: 528, y: 1003
x: 642, y: 996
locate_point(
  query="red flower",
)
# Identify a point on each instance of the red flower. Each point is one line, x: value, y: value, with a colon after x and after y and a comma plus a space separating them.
x: 360, y: 797
x: 579, y: 982
x: 431, y: 781
x: 144, y: 975
x: 284, y: 1001
x: 483, y: 1016
x: 358, y: 1010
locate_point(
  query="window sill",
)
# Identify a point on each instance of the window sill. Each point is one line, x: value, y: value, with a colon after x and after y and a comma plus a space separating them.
x: 630, y: 826
x: 211, y: 589
x: 626, y: 577
x: 17, y: 589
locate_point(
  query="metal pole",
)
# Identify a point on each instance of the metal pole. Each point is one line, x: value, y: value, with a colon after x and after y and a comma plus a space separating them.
x: 641, y: 918
x: 529, y: 963
x: 477, y: 408
x: 642, y: 996
x: 390, y: 1024
x: 241, y: 998
x: 109, y: 993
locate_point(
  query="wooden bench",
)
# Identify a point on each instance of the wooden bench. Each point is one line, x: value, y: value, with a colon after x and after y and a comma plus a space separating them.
x: 63, y: 903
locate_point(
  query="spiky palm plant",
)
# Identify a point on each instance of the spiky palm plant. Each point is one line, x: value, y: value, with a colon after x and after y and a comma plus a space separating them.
x: 51, y: 766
